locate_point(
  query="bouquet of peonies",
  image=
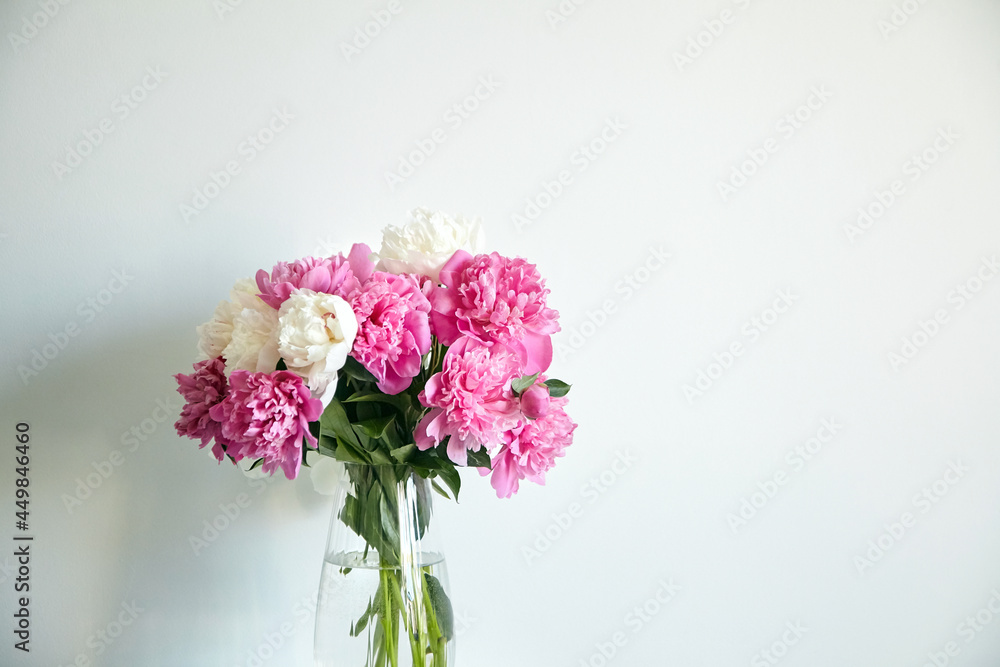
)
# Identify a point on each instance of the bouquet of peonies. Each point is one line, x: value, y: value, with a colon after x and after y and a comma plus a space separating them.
x: 423, y: 357
x: 455, y: 344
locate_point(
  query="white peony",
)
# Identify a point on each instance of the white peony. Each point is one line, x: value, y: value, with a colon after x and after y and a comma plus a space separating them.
x: 427, y: 241
x: 215, y: 335
x: 316, y: 332
x: 254, y: 343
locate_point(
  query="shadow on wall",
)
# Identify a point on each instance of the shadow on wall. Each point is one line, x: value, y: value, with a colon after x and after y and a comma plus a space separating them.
x: 142, y: 539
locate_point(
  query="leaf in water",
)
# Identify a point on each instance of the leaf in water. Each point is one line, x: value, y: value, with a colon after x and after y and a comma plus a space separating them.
x: 388, y: 525
x: 359, y: 627
x: 441, y: 605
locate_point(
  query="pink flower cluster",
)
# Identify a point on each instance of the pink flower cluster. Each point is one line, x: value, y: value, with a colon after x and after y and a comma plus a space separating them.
x: 253, y: 415
x: 394, y: 331
x: 531, y: 449
x: 266, y: 415
x: 495, y: 299
x: 491, y: 311
x: 332, y: 275
x: 487, y: 310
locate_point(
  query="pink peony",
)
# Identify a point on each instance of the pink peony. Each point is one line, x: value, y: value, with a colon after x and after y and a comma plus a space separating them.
x: 332, y: 275
x: 495, y: 299
x: 394, y: 330
x: 470, y: 399
x: 202, y: 390
x: 266, y: 415
x: 531, y: 449
x: 535, y: 401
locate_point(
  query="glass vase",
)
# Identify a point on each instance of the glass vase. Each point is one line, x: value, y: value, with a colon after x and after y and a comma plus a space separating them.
x: 384, y: 598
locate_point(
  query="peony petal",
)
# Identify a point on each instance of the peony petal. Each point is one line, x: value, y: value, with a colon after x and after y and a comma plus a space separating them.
x: 539, y: 352
x: 361, y: 264
x: 504, y: 479
x: 421, y: 439
x: 444, y: 326
x: 457, y: 451
x: 453, y: 267
x: 317, y: 279
x: 394, y: 383
x: 419, y: 325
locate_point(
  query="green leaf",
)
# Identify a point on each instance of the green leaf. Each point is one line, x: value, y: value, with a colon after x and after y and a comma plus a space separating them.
x: 256, y: 464
x: 369, y: 410
x: 340, y: 450
x: 480, y: 458
x: 453, y: 480
x: 441, y: 605
x: 327, y: 444
x: 366, y: 442
x: 523, y: 382
x: 375, y: 427
x: 380, y: 458
x: 404, y: 453
x: 373, y: 607
x: 557, y: 388
x: 353, y: 368
x: 388, y: 525
x: 334, y: 418
x: 281, y: 365
x: 391, y: 437
x: 399, y: 401
x: 437, y: 487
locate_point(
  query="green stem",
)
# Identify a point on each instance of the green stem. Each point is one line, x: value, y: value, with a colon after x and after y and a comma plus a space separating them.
x: 390, y: 629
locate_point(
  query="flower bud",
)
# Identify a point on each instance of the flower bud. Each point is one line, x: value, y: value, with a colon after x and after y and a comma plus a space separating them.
x: 535, y: 401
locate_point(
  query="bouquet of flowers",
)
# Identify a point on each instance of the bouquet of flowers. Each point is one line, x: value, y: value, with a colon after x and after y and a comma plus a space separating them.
x: 424, y: 357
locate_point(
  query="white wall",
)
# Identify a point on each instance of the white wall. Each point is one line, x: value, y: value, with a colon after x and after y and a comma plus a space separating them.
x: 320, y: 185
